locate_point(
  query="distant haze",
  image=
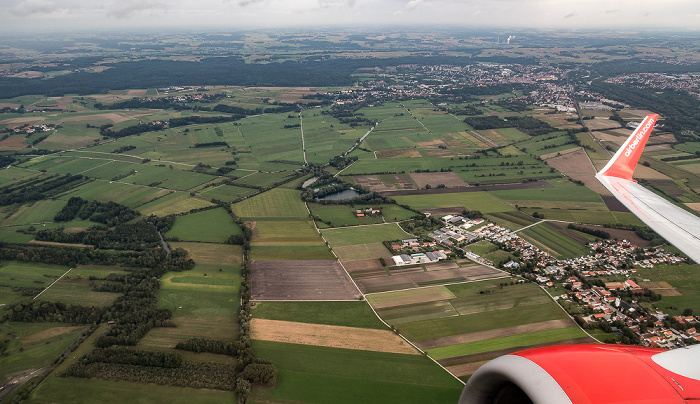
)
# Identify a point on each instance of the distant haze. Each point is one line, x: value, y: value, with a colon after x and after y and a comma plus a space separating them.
x: 29, y: 16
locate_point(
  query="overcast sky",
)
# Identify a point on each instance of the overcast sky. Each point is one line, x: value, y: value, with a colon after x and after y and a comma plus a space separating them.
x: 27, y: 16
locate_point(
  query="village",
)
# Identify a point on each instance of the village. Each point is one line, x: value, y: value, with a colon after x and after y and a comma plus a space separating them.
x: 612, y: 306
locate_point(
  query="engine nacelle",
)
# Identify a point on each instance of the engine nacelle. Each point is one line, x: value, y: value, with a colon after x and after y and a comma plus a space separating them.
x: 593, y: 374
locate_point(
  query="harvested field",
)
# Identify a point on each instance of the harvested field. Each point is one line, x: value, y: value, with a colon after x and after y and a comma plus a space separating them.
x: 578, y: 166
x: 441, y: 265
x: 694, y: 206
x: 642, y: 171
x: 210, y: 253
x: 362, y: 252
x: 661, y: 287
x: 398, y: 153
x: 49, y: 333
x: 449, y: 179
x: 601, y: 123
x: 214, y: 327
x: 502, y: 187
x: 332, y: 336
x: 497, y: 333
x: 59, y: 244
x: 301, y: 280
x: 407, y: 297
x: 364, y: 265
x: 113, y: 117
x: 560, y: 153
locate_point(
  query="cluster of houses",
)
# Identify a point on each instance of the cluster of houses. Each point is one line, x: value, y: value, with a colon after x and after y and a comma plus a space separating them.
x: 29, y: 129
x: 609, y: 257
x: 368, y: 212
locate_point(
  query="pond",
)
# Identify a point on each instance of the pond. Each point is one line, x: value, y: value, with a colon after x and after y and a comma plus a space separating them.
x: 338, y: 196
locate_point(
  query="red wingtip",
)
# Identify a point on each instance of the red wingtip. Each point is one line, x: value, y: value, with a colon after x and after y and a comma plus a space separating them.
x: 625, y: 160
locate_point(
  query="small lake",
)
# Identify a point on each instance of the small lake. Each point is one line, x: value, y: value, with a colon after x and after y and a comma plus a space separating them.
x: 337, y: 196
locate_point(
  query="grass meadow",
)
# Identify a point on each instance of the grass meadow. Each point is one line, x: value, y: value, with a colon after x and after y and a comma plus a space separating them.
x: 314, y: 374
x: 213, y: 225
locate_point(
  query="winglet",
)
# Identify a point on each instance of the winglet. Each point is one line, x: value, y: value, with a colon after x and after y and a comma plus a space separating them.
x: 625, y: 160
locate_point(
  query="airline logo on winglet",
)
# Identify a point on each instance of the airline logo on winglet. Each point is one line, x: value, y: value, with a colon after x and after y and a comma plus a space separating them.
x: 625, y: 160
x: 640, y: 135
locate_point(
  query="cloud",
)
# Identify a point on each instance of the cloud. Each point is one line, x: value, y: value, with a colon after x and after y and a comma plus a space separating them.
x: 613, y: 11
x: 413, y: 4
x: 130, y: 8
x: 570, y: 15
x: 336, y: 3
x: 30, y: 8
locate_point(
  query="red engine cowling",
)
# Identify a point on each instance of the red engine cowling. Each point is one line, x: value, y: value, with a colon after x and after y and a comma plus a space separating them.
x: 593, y: 374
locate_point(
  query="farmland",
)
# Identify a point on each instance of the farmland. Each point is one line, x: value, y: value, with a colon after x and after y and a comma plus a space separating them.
x: 312, y: 281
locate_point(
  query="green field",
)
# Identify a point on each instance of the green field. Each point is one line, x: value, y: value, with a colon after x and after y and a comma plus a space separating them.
x: 34, y: 345
x: 555, y: 240
x: 87, y: 391
x: 213, y: 225
x: 684, y: 278
x: 514, y: 341
x: 364, y: 234
x: 481, y: 201
x: 348, y: 314
x: 562, y: 190
x: 344, y: 215
x: 276, y: 203
x: 314, y: 374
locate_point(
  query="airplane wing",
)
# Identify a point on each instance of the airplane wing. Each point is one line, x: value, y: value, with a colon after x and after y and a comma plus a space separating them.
x: 677, y: 226
x: 603, y: 374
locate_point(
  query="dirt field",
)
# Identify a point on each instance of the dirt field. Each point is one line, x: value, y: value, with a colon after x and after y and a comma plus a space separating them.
x: 413, y: 278
x: 497, y: 333
x: 372, y: 182
x: 301, y: 280
x: 694, y: 206
x: 578, y: 166
x: 465, y: 369
x: 663, y: 288
x: 404, y: 181
x: 601, y: 123
x: 49, y: 333
x: 114, y: 117
x: 57, y: 243
x: 450, y: 179
x: 13, y: 143
x: 649, y: 173
x: 329, y: 335
x: 628, y: 235
x: 441, y: 265
x: 22, y: 121
x: 398, y: 153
